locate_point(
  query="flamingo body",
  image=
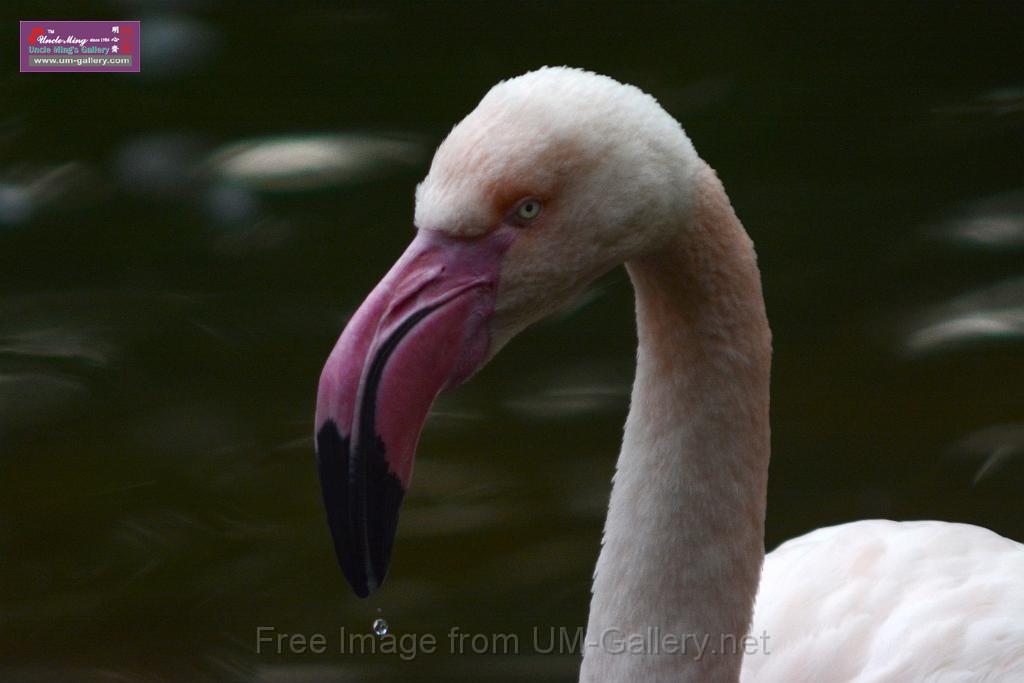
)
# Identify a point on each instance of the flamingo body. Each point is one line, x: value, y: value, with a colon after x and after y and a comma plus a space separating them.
x: 876, y: 601
x: 555, y: 178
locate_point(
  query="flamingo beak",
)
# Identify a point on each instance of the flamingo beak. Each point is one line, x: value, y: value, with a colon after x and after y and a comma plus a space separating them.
x: 424, y: 328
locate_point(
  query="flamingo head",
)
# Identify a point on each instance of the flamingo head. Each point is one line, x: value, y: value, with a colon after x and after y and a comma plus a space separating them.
x: 556, y: 177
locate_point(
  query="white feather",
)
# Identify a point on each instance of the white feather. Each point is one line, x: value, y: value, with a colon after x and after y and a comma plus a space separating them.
x: 877, y: 600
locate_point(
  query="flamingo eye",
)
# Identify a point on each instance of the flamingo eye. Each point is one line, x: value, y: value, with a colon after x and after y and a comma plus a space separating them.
x: 528, y: 210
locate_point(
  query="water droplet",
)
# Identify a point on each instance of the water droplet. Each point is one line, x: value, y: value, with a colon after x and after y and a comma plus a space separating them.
x: 380, y: 627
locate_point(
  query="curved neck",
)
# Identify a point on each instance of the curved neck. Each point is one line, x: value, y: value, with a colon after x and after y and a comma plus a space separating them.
x: 684, y: 539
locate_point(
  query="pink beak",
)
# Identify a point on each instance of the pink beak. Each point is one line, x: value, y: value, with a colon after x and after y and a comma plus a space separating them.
x: 424, y: 328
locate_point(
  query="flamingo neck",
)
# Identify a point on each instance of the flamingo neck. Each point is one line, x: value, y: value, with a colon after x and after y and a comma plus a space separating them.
x: 683, y: 542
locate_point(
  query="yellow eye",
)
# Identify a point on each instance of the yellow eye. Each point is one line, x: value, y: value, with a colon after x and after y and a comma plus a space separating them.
x: 528, y: 210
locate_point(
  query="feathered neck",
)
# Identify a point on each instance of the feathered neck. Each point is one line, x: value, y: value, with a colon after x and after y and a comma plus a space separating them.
x: 683, y: 543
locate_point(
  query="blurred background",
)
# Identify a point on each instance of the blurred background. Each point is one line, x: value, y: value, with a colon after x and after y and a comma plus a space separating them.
x: 179, y: 249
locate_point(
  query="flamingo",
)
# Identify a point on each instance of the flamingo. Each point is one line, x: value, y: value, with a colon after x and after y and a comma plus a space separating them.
x: 556, y: 177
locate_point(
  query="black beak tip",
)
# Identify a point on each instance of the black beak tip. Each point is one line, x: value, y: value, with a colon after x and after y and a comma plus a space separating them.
x: 352, y: 565
x: 359, y: 584
x: 362, y: 504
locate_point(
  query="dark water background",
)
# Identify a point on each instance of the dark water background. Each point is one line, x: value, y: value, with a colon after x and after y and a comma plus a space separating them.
x: 167, y: 298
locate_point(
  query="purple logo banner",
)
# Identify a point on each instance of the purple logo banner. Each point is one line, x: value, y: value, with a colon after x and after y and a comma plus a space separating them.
x: 103, y: 46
